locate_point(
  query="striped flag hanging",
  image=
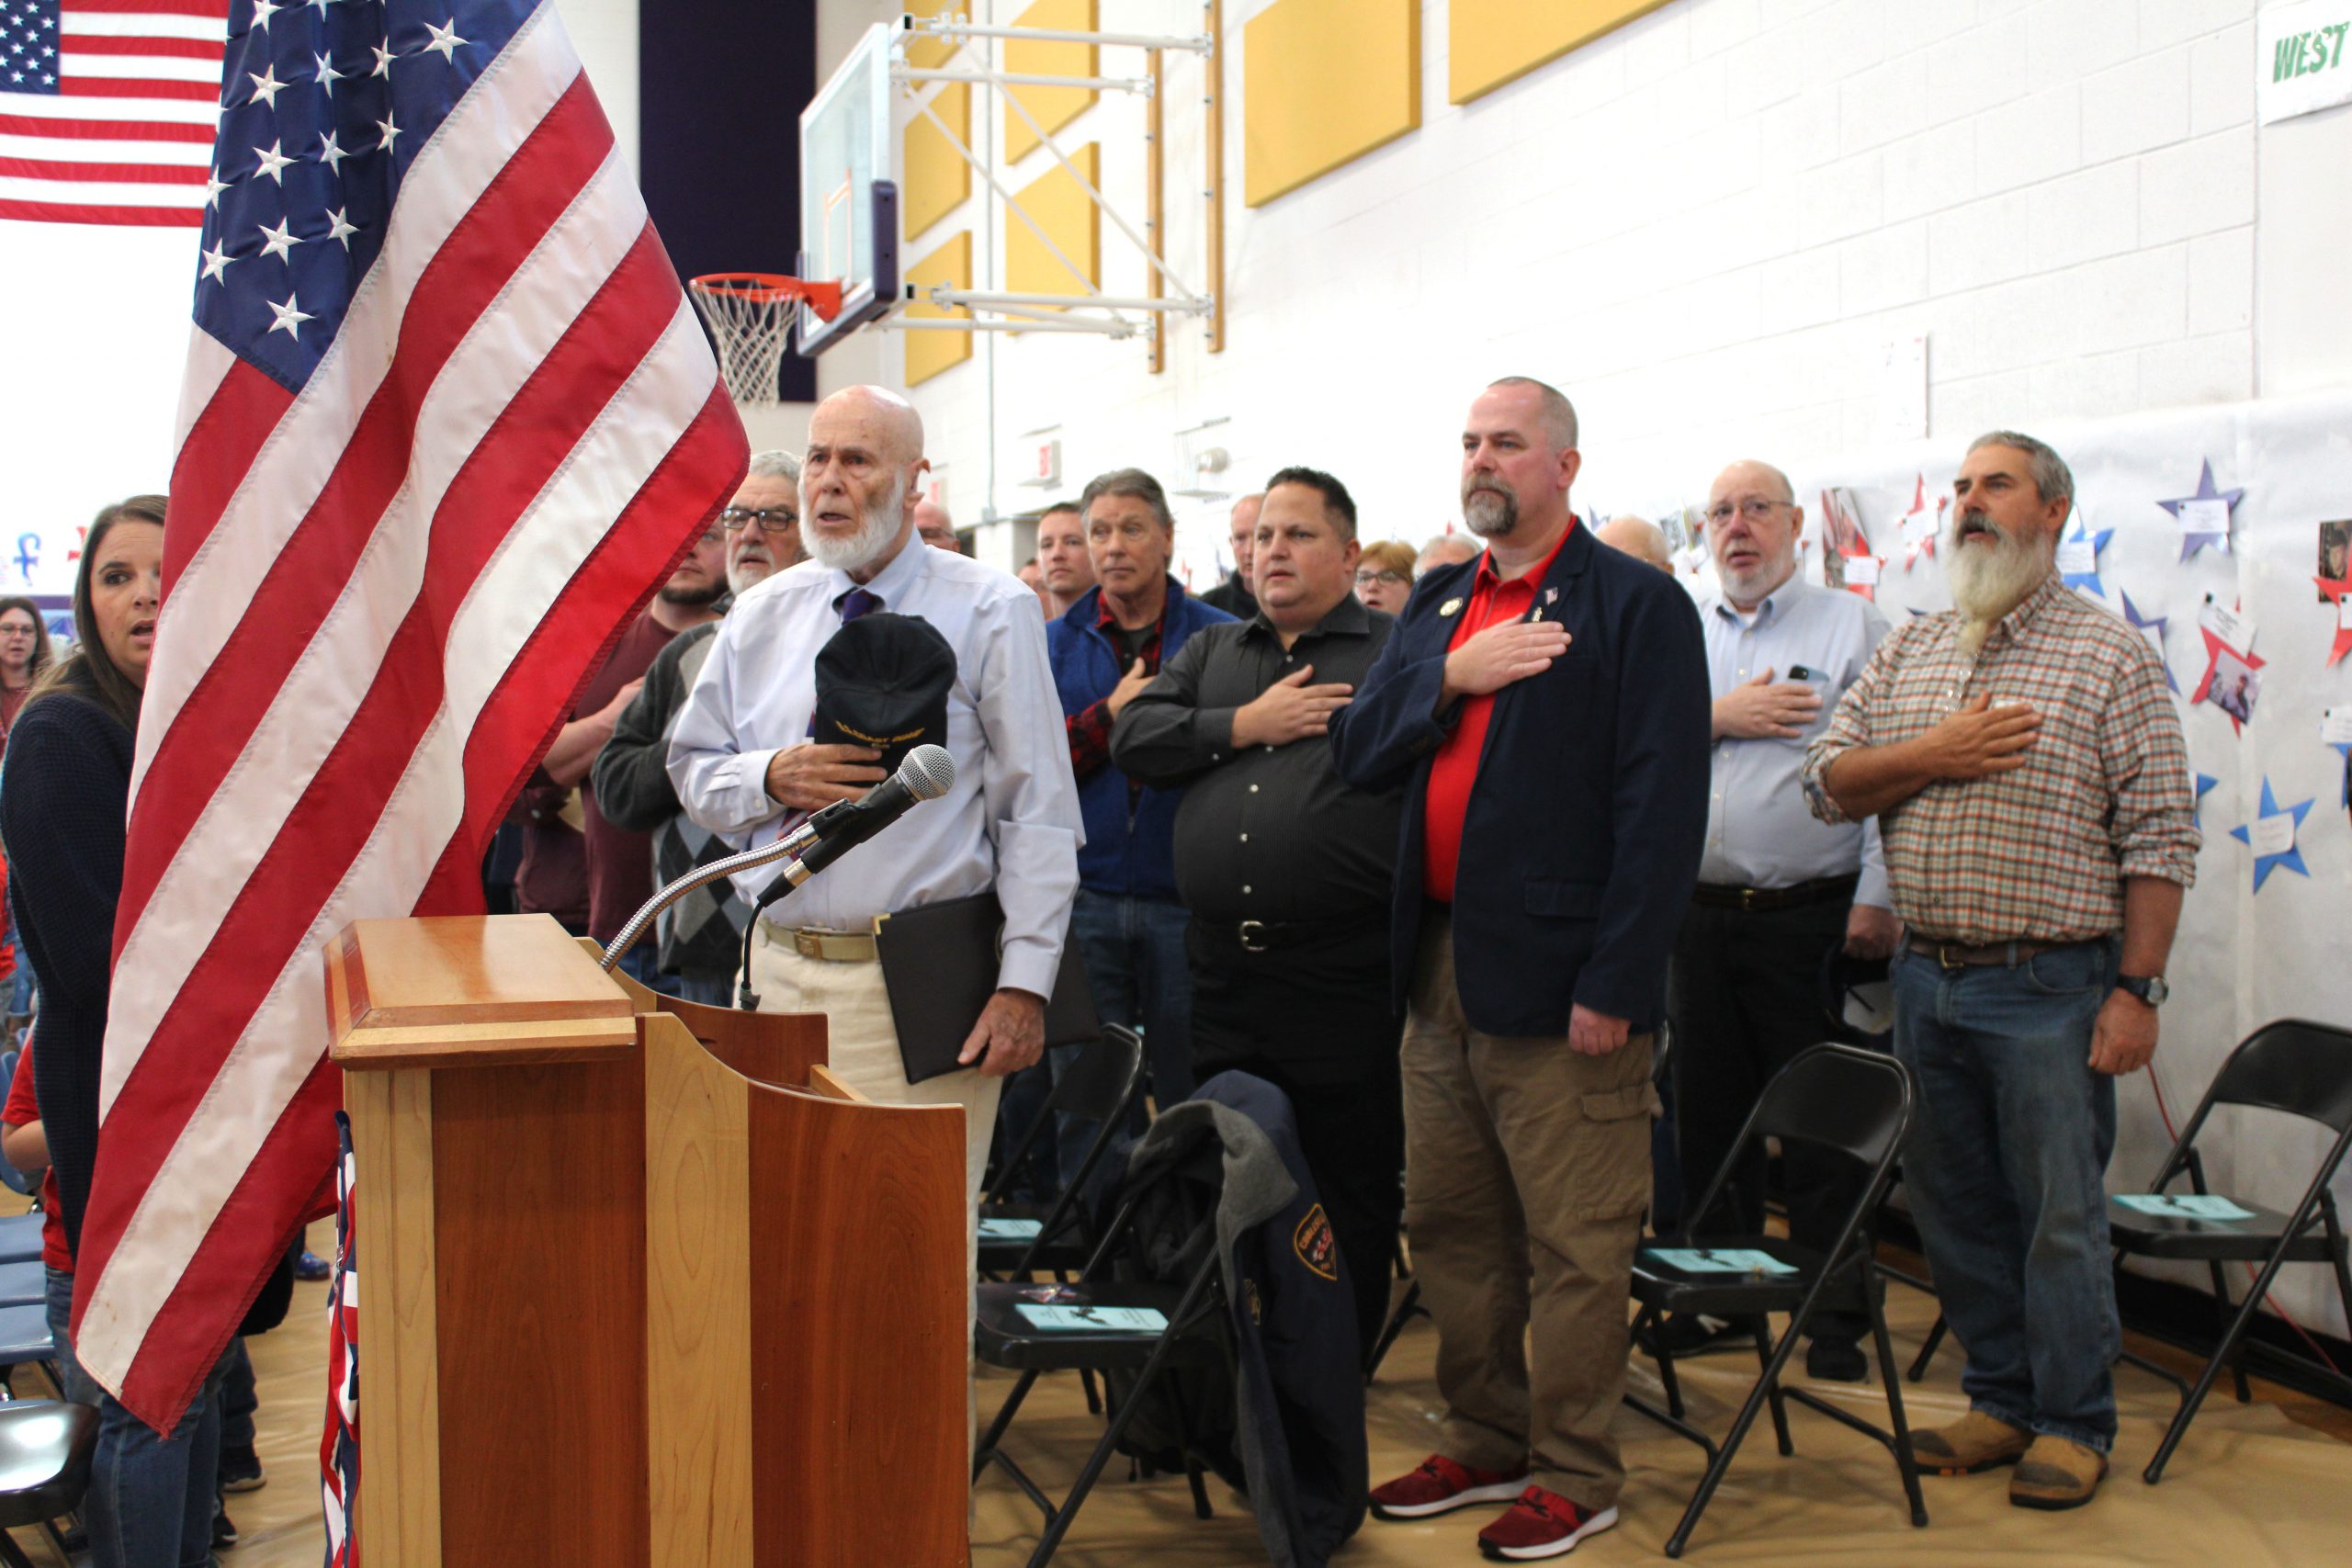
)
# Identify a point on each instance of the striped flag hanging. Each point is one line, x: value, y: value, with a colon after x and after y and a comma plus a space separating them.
x: 446, y: 422
x: 106, y: 109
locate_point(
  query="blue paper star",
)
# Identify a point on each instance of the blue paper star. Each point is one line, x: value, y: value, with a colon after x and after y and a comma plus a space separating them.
x: 2097, y: 542
x: 2192, y: 542
x: 2292, y: 857
x: 2143, y: 624
x: 2205, y: 783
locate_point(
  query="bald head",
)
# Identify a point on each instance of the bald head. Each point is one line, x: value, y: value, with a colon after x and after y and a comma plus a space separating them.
x: 1753, y: 527
x: 859, y: 477
x: 885, y: 417
x: 1638, y: 538
x: 1446, y: 550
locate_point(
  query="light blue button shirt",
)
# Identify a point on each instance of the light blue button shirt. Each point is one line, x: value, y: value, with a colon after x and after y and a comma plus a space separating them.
x: 1760, y: 830
x: 1012, y: 818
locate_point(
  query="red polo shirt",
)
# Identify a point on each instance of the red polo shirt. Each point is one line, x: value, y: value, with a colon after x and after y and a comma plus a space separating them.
x: 1455, y: 767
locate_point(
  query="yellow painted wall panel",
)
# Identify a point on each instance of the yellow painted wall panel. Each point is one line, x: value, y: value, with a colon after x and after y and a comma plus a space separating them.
x: 938, y: 180
x: 1489, y: 42
x: 1053, y: 106
x: 1324, y: 82
x: 928, y: 53
x: 1065, y: 211
x: 929, y: 353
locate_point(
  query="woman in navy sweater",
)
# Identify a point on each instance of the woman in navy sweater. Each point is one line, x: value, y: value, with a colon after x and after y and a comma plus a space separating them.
x: 68, y: 772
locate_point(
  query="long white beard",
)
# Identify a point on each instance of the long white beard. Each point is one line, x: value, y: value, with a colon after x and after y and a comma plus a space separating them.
x: 1986, y: 584
x: 864, y: 547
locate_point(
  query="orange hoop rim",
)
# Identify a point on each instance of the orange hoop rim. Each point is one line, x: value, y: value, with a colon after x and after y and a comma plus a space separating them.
x: 770, y: 288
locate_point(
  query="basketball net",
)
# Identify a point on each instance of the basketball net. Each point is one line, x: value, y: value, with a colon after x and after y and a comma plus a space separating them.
x: 751, y: 317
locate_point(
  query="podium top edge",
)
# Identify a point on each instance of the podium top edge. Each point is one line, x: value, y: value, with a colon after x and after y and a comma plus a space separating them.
x: 463, y: 971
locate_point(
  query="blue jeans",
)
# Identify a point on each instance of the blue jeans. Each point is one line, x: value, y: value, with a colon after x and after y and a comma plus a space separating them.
x: 1136, y: 967
x: 151, y: 1498
x: 240, y: 1401
x: 72, y: 1378
x: 2005, y: 1173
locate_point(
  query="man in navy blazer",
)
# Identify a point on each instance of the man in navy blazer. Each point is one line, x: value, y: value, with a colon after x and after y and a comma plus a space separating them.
x: 1545, y: 707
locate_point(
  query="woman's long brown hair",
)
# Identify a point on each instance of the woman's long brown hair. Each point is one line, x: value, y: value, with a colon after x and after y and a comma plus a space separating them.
x: 89, y: 671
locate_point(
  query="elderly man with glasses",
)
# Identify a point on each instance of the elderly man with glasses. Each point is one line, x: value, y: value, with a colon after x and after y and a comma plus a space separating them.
x: 1777, y: 889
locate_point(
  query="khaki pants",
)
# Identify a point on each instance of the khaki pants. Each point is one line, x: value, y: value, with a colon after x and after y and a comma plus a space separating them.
x: 1527, y: 1170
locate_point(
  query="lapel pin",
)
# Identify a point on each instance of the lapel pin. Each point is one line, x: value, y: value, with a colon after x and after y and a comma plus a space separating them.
x: 1551, y: 596
x: 1451, y: 607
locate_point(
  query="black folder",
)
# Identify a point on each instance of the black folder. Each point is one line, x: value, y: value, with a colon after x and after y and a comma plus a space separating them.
x: 939, y: 965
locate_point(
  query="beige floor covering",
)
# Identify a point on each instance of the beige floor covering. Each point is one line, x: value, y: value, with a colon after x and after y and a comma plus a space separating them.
x: 2267, y: 1483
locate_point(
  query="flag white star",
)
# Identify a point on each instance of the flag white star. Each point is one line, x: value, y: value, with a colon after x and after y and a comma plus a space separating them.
x: 262, y: 11
x: 445, y: 38
x: 390, y: 131
x: 266, y: 87
x: 383, y: 62
x: 216, y: 262
x: 290, y: 319
x: 277, y: 242
x: 213, y: 186
x: 330, y: 152
x: 340, y: 227
x: 272, y: 161
x: 327, y: 75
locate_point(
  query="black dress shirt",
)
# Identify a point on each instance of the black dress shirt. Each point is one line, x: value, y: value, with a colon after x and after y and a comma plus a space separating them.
x: 1267, y: 833
x: 1232, y: 596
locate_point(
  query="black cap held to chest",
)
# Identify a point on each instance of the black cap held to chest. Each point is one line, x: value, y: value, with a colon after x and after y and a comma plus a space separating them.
x: 882, y: 681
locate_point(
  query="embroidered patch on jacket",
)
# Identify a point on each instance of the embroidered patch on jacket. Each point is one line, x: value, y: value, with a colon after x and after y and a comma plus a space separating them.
x: 1315, y: 1244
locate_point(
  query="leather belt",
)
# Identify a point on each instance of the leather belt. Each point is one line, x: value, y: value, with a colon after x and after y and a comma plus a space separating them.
x: 1269, y: 936
x: 815, y: 942
x: 1758, y: 901
x: 2004, y: 954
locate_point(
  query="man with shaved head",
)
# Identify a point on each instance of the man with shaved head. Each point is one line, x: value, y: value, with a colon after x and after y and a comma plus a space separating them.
x: 1778, y: 891
x: 1640, y: 538
x: 934, y: 527
x: 746, y: 767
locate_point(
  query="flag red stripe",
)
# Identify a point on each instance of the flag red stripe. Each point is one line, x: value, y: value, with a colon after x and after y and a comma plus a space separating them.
x: 235, y: 1257
x: 113, y: 173
x: 219, y: 447
x: 209, y: 733
x: 110, y: 43
x: 74, y: 212
x: 138, y: 87
x: 152, y: 8
x: 344, y: 799
x: 506, y: 742
x: 106, y: 130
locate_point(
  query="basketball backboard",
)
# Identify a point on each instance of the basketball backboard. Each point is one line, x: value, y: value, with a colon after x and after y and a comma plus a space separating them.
x: 849, y: 203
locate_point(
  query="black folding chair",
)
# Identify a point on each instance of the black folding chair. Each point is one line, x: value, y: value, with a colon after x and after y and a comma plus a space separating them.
x: 1101, y: 1085
x: 2303, y: 1069
x: 45, y: 1449
x: 1835, y: 1096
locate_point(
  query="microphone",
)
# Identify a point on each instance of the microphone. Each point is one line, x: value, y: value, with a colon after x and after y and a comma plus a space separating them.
x: 926, y: 775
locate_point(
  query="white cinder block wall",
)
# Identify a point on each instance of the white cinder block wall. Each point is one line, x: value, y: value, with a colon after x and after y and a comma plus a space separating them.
x: 1705, y: 227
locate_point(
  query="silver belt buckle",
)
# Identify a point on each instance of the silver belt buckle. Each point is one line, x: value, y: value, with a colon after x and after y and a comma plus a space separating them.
x: 1249, y: 942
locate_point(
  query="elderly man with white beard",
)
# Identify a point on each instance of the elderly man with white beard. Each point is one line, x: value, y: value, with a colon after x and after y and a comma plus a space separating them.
x: 746, y: 769
x: 2027, y: 768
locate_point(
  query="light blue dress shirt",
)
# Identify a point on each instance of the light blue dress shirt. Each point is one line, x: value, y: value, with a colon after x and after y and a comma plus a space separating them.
x: 1010, y: 820
x: 1760, y: 832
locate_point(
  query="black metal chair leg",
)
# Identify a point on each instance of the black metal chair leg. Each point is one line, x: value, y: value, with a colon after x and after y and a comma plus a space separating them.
x: 2204, y: 1384
x: 1406, y: 1310
x: 1673, y: 1382
x: 1190, y: 1449
x: 995, y: 1433
x: 1928, y: 1352
x: 1059, y: 1526
x: 1757, y: 1397
x: 1903, y: 1460
x: 1763, y: 1328
x: 2223, y: 1309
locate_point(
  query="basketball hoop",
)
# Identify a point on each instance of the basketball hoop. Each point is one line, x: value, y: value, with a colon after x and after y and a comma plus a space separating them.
x: 751, y: 317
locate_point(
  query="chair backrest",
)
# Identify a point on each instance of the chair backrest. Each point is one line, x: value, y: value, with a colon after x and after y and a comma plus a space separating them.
x: 10, y: 1176
x: 1838, y: 1097
x: 2294, y: 1066
x: 1098, y: 1085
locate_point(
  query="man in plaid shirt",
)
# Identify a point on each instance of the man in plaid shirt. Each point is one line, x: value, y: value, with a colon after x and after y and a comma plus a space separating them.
x: 2026, y: 764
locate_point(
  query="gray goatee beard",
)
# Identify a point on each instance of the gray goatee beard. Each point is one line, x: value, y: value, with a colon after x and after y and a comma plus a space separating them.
x: 1495, y: 517
x: 862, y: 548
x: 1987, y: 583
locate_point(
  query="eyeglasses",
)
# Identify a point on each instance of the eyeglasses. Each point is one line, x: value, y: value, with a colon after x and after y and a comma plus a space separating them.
x: 1393, y: 578
x: 1755, y: 509
x: 771, y: 519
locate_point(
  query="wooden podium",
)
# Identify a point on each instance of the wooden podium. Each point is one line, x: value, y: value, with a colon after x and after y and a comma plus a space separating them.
x: 641, y: 1283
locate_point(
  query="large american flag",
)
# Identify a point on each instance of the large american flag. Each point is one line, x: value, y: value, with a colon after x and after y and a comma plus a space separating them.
x: 106, y: 108
x: 447, y: 420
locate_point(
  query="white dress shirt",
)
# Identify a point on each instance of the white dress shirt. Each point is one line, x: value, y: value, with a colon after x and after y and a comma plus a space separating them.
x: 1760, y: 832
x: 1010, y: 820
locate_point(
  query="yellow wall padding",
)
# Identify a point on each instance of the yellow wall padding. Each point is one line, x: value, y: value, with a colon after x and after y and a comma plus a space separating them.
x: 938, y: 180
x: 1053, y: 106
x: 1323, y: 82
x: 928, y: 53
x: 1064, y: 210
x: 929, y: 353
x: 1489, y: 42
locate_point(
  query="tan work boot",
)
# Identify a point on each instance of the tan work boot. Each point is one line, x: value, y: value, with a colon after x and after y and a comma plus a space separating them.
x: 1974, y: 1442
x: 2057, y: 1473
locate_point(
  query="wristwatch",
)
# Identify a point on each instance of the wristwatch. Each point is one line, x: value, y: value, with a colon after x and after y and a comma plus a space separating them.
x: 2150, y: 989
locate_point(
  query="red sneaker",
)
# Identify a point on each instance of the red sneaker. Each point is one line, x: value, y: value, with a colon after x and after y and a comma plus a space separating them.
x: 1440, y: 1486
x: 1542, y: 1524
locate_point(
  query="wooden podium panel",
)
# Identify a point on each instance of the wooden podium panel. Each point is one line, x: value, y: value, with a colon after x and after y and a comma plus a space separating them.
x: 634, y: 1297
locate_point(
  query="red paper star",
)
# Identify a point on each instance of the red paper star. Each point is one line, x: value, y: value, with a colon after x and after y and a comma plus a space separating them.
x: 2214, y: 648
x: 2336, y: 590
